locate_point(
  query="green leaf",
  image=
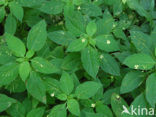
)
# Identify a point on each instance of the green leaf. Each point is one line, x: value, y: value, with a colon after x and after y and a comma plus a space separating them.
x: 10, y: 25
x: 77, y: 45
x: 24, y: 70
x: 153, y: 35
x: 52, y: 7
x: 36, y: 87
x: 66, y: 83
x: 75, y: 23
x: 30, y: 53
x: 2, y: 12
x: 117, y: 104
x: 16, y: 86
x: 108, y: 93
x: 16, y: 10
x: 142, y: 42
x: 73, y: 107
x: 105, y: 25
x: 5, y: 55
x: 61, y: 37
x: 31, y: 3
x: 141, y: 101
x: 58, y: 111
x: 117, y: 7
x: 8, y: 73
x: 2, y: 2
x: 90, y: 61
x: 15, y: 45
x: 37, y: 36
x: 131, y: 81
x: 52, y: 86
x: 109, y: 64
x: 87, y: 89
x: 71, y: 62
x: 91, y: 10
x: 140, y: 61
x: 91, y: 28
x: 5, y: 102
x: 43, y: 66
x: 37, y: 112
x: 134, y: 5
x: 107, y: 43
x: 150, y: 87
x: 16, y: 110
x: 105, y: 110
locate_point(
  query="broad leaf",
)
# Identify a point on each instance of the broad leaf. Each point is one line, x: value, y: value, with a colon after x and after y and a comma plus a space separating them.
x: 66, y: 83
x: 77, y: 45
x: 10, y: 25
x: 44, y: 66
x: 58, y: 111
x: 140, y: 61
x: 90, y: 61
x: 87, y: 89
x: 109, y: 64
x: 5, y: 102
x: 36, y: 87
x: 15, y: 45
x: 24, y: 70
x: 131, y: 81
x: 107, y: 43
x: 37, y: 36
x: 8, y: 73
x: 73, y: 107
x: 150, y: 87
x: 16, y: 10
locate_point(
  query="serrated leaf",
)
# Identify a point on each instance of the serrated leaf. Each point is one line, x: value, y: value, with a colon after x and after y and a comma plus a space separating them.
x: 87, y: 89
x: 43, y: 66
x: 90, y: 61
x: 73, y: 107
x: 66, y: 83
x: 140, y: 61
x: 15, y: 45
x: 131, y: 81
x: 36, y: 87
x: 37, y: 36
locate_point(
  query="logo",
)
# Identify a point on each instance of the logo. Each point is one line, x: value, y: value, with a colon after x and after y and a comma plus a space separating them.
x: 138, y: 110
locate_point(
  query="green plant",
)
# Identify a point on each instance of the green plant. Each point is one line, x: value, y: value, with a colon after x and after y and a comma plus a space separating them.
x: 77, y: 58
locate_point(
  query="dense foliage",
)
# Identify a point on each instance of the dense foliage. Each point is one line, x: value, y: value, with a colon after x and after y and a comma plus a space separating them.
x: 76, y: 58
